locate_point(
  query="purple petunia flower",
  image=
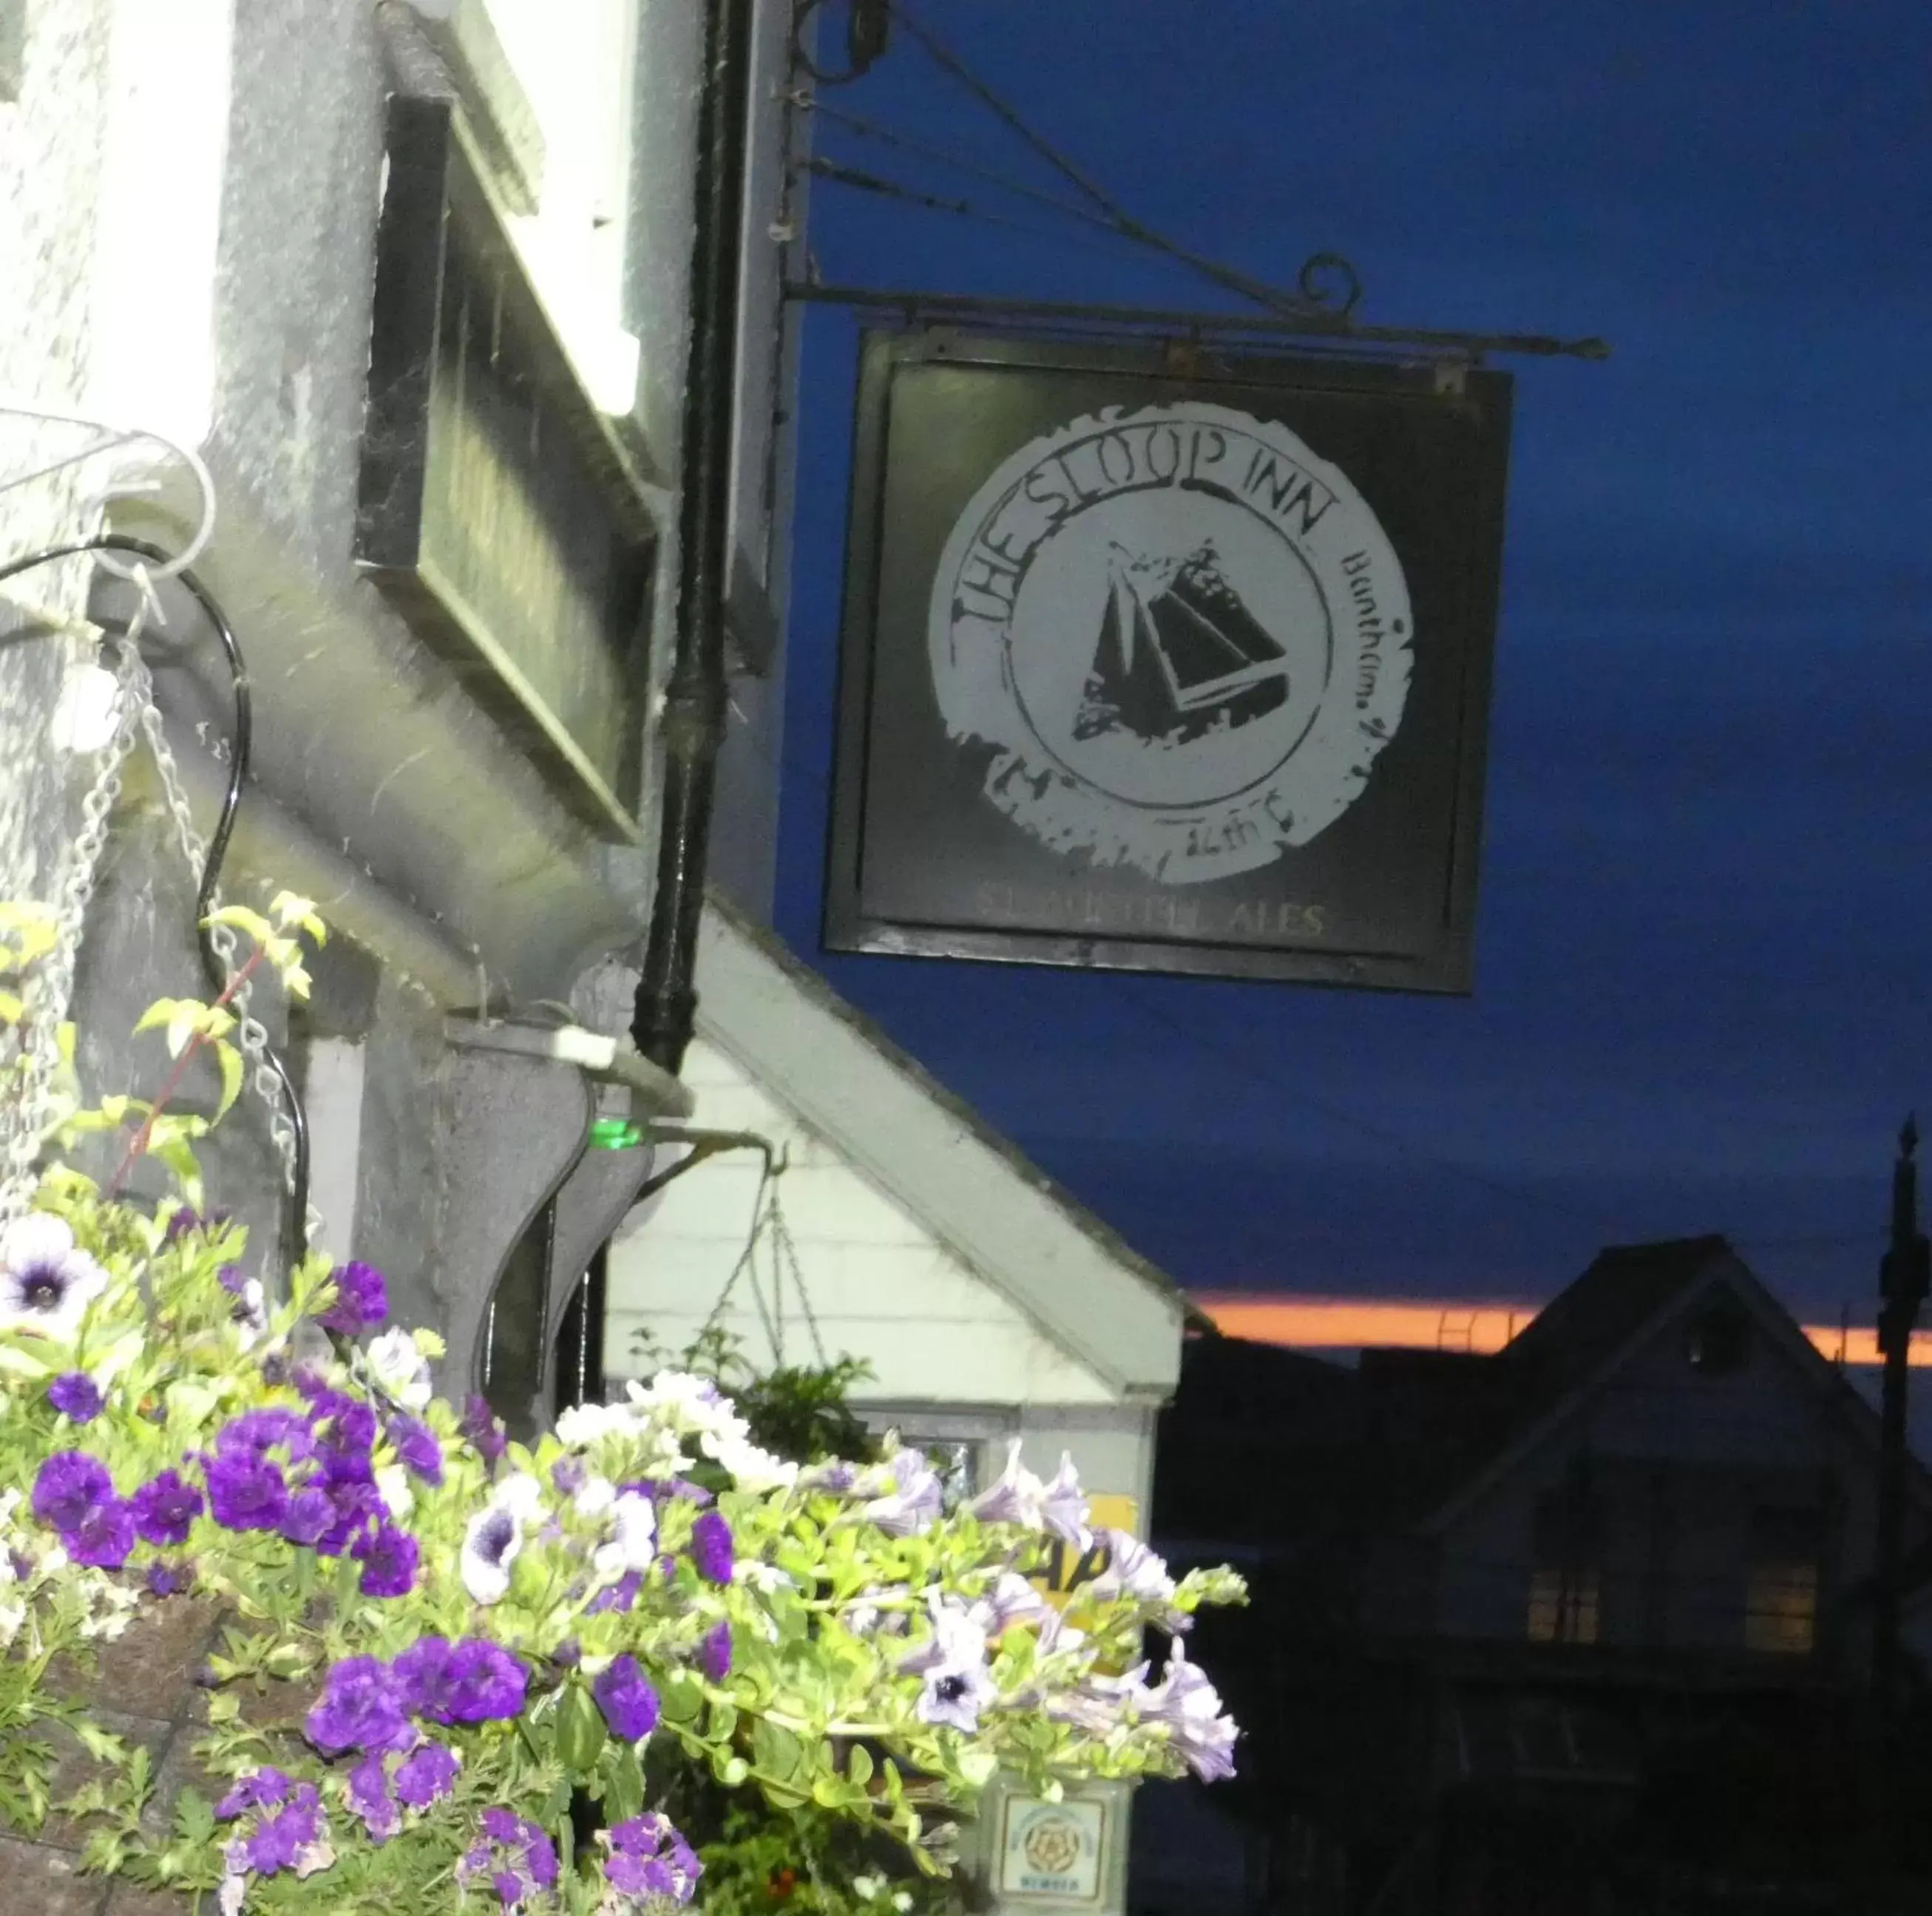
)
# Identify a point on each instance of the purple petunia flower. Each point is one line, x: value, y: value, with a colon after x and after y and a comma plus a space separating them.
x: 711, y: 1547
x: 260, y: 1789
x: 485, y: 1682
x: 284, y: 1833
x: 361, y: 1300
x: 256, y: 1433
x: 352, y: 1428
x: 529, y: 1858
x: 181, y: 1221
x: 427, y: 1775
x: 369, y: 1797
x: 360, y: 1708
x: 233, y: 1280
x: 502, y: 1826
x: 103, y: 1538
x: 568, y: 1476
x: 75, y: 1395
x: 481, y: 1425
x: 387, y: 1556
x: 648, y: 1857
x: 310, y: 1515
x: 357, y: 1507
x: 246, y: 1492
x: 620, y: 1596
x: 714, y: 1654
x: 166, y: 1507
x: 423, y: 1679
x: 169, y: 1579
x: 68, y: 1487
x: 629, y: 1704
x: 539, y: 1856
x: 416, y: 1445
x: 663, y: 1489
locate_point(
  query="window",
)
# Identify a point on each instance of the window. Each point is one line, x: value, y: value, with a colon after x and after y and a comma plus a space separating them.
x: 1563, y: 1606
x: 1564, y: 1584
x: 1781, y: 1608
x: 557, y: 85
x: 1781, y: 1582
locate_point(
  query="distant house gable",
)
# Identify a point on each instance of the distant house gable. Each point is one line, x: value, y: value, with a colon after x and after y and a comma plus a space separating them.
x: 1552, y: 1372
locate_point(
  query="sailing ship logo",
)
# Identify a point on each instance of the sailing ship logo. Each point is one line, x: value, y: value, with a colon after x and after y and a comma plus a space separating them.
x: 1185, y: 637
x: 1179, y: 652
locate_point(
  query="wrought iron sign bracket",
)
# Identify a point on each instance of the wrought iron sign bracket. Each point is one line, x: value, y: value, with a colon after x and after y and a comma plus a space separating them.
x: 1316, y: 330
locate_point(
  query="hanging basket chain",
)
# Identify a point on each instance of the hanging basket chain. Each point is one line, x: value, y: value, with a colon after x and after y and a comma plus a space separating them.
x: 50, y: 992
x: 769, y: 1226
x: 785, y: 1261
x: 250, y: 1034
x: 25, y: 1118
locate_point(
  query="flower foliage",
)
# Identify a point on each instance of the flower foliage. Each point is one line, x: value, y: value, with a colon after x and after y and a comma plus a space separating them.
x: 473, y: 1634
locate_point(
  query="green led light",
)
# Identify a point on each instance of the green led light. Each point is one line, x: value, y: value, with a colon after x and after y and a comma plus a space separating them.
x: 614, y: 1134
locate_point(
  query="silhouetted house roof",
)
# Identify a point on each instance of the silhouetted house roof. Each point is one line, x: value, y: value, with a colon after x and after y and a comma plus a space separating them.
x: 1260, y: 1444
x: 1272, y: 1440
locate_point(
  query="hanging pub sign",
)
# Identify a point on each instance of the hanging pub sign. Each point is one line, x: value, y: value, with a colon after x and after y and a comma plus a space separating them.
x: 1167, y: 663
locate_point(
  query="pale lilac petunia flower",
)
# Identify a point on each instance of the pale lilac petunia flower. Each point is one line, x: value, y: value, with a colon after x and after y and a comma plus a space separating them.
x: 1187, y: 1703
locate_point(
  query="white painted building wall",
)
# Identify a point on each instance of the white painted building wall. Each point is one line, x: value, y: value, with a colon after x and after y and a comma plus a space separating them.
x: 989, y: 1305
x: 880, y: 1285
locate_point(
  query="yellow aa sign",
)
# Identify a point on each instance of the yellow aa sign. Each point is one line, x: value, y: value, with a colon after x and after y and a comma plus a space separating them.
x: 1060, y: 1570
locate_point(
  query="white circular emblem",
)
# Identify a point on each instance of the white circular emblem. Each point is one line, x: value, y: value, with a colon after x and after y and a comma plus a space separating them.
x: 1185, y: 636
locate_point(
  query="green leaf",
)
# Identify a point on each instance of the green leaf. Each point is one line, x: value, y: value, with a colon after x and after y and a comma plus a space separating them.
x: 194, y: 1817
x: 250, y: 924
x: 682, y: 1698
x: 859, y: 1764
x: 776, y: 1751
x: 99, y: 1743
x: 624, y: 1791
x: 581, y: 1731
x: 229, y: 1059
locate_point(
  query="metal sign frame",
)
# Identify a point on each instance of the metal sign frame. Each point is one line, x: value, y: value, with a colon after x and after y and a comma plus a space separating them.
x: 1085, y: 914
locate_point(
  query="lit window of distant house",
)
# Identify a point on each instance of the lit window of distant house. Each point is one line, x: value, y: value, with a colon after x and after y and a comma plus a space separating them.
x: 1564, y: 1585
x: 1563, y: 1605
x: 1781, y: 1582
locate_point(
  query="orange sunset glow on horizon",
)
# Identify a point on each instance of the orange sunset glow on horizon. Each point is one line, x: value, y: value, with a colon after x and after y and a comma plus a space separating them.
x: 1422, y: 1323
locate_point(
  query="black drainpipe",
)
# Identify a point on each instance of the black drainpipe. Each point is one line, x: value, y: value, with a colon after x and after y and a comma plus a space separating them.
x: 694, y: 714
x: 695, y: 698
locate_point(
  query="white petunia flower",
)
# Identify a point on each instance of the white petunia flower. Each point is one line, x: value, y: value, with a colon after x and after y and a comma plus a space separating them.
x: 400, y: 1368
x: 490, y: 1547
x: 584, y: 1426
x: 633, y: 1540
x: 392, y: 1482
x: 521, y: 1495
x: 596, y: 1497
x: 751, y: 1468
x: 46, y: 1282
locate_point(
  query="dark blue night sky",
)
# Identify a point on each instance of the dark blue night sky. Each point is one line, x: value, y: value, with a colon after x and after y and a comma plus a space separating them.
x: 1704, y: 996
